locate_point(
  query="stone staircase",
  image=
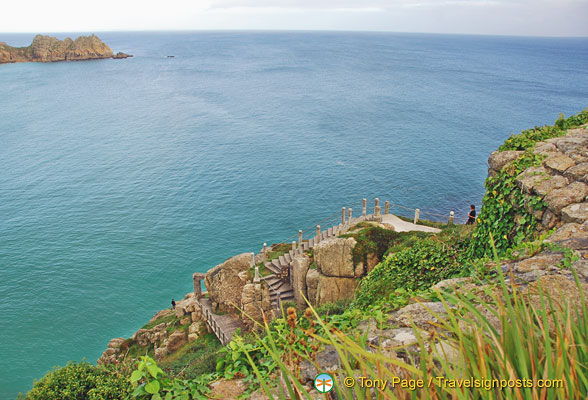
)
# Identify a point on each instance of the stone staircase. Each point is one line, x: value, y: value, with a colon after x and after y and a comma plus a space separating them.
x: 280, y: 280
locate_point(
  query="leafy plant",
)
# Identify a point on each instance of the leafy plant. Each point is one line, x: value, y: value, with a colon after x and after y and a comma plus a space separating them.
x: 81, y: 381
x: 150, y: 382
x: 507, y: 212
x: 418, y: 267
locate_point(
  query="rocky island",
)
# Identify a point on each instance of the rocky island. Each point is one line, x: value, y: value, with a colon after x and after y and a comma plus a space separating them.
x: 51, y: 49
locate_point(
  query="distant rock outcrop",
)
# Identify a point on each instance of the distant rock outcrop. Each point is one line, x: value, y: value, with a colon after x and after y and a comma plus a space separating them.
x: 50, y: 49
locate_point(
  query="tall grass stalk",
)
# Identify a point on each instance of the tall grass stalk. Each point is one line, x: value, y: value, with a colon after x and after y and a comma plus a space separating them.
x: 489, y: 334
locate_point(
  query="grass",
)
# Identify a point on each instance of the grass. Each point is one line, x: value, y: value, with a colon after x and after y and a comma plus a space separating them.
x: 193, y: 359
x: 278, y: 250
x: 164, y: 319
x: 263, y: 270
x: 543, y: 339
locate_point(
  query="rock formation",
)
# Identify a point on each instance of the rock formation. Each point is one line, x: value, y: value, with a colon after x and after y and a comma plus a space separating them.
x: 166, y: 337
x: 224, y: 284
x: 335, y: 277
x: 50, y: 49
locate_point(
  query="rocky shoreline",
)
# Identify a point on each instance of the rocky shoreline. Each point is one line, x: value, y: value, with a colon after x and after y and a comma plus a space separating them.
x: 51, y: 49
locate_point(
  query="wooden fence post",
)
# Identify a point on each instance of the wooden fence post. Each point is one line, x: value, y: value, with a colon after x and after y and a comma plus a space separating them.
x: 387, y: 207
x: 364, y: 208
x: 343, y: 215
x: 417, y: 214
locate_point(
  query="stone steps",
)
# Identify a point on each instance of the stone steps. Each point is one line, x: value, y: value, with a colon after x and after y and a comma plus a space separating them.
x: 283, y: 262
x: 272, y: 267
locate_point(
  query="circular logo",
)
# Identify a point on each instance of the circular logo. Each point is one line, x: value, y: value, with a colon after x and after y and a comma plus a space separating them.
x: 323, y: 383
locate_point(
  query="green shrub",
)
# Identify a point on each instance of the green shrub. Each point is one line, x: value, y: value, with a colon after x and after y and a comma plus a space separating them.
x: 528, y: 138
x: 81, y: 381
x: 378, y: 241
x: 414, y: 268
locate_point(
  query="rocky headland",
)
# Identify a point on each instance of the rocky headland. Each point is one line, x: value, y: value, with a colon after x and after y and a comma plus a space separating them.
x: 51, y: 49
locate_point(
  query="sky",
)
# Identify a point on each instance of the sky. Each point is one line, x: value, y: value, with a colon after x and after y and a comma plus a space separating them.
x: 493, y: 17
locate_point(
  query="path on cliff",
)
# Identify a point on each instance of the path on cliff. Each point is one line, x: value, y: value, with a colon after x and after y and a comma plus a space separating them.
x: 404, y: 226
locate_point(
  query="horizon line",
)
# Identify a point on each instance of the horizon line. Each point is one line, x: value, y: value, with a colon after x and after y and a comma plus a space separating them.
x: 288, y: 31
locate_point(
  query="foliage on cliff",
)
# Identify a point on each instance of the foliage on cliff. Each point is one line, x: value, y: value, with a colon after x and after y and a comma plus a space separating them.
x: 421, y: 265
x: 507, y: 212
x: 81, y: 381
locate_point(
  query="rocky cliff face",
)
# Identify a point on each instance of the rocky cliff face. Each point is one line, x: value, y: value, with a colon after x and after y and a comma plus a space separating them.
x: 50, y: 49
x: 561, y: 181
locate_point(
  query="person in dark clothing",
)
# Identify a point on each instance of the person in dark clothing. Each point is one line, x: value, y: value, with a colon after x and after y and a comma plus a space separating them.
x: 472, y: 215
x: 173, y: 304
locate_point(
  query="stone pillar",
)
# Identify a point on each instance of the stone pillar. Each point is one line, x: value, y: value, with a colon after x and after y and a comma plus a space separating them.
x: 264, y: 252
x: 377, y: 212
x: 451, y: 214
x: 318, y: 234
x: 387, y: 207
x: 197, y: 277
x: 364, y: 208
x: 417, y: 214
x: 294, y: 246
x: 376, y: 204
x: 350, y: 213
x: 343, y: 215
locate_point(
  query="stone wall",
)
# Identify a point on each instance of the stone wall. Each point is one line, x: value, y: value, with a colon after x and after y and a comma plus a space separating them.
x: 256, y: 304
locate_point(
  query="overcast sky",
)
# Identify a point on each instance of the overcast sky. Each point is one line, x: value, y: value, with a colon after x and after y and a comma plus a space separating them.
x: 502, y: 17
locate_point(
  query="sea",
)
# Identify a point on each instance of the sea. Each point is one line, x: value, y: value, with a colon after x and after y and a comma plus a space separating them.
x: 120, y: 178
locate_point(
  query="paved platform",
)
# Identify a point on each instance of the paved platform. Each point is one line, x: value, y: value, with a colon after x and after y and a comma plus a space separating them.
x: 401, y: 225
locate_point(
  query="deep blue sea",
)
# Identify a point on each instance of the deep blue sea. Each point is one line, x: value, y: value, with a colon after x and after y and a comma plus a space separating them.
x: 120, y: 178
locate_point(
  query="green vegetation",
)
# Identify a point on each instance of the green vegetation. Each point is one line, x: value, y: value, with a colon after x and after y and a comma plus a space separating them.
x: 150, y: 382
x: 278, y: 250
x: 194, y: 359
x: 81, y: 381
x: 372, y: 240
x: 490, y: 330
x: 171, y: 317
x: 504, y: 199
x: 527, y: 139
x: 418, y: 267
x: 511, y: 339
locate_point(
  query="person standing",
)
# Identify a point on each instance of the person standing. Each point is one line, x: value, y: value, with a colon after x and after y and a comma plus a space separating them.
x: 173, y: 304
x: 472, y: 215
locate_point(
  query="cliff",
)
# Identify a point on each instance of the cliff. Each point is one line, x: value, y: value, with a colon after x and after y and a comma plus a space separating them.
x: 50, y: 49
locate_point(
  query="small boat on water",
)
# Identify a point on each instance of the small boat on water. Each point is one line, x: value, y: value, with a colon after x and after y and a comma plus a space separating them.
x: 171, y: 56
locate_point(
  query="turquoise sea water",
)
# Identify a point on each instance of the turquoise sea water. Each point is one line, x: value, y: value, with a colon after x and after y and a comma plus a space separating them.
x: 120, y: 178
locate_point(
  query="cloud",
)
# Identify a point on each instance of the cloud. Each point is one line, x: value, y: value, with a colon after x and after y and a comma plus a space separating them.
x: 506, y: 17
